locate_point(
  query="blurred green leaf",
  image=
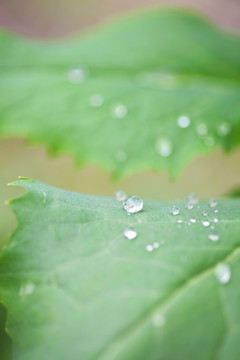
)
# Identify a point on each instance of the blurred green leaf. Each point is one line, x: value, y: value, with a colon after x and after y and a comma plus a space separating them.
x: 5, y: 342
x: 76, y: 288
x: 149, y: 69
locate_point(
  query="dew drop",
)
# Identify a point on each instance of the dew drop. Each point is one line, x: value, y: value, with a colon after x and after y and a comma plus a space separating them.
x: 215, y: 220
x: 120, y: 195
x: 202, y: 130
x: 223, y: 273
x: 133, y: 204
x: 96, y: 100
x: 44, y: 196
x: 179, y: 221
x: 158, y: 320
x: 224, y: 129
x: 212, y: 227
x: 209, y: 141
x: 121, y: 156
x: 213, y: 236
x: 215, y: 210
x: 212, y: 203
x: 192, y: 199
x: 149, y: 248
x: 205, y: 223
x: 204, y: 213
x: 189, y: 206
x: 164, y: 147
x: 193, y: 220
x: 130, y: 233
x: 156, y: 245
x: 26, y: 289
x: 175, y: 210
x: 183, y: 121
x: 77, y: 75
x: 120, y: 111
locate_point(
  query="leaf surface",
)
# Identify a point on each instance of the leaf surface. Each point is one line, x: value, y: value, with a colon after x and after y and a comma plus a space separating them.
x: 75, y: 287
x: 148, y: 69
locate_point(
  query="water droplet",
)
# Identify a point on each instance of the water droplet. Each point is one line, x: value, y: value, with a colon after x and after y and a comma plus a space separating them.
x: 175, y: 210
x: 26, y: 289
x: 213, y: 236
x: 130, y: 233
x: 164, y: 147
x: 133, y: 204
x: 212, y: 227
x: 223, y: 273
x: 120, y: 111
x: 96, y: 100
x: 215, y: 220
x: 202, y: 130
x: 44, y: 196
x: 121, y: 156
x: 183, y: 121
x: 77, y: 76
x: 224, y: 129
x: 158, y: 320
x: 120, y: 195
x: 204, y: 213
x: 156, y: 245
x: 212, y: 203
x: 179, y: 221
x: 192, y: 199
x: 193, y: 220
x: 209, y: 141
x: 205, y: 223
x: 149, y: 248
x: 189, y: 206
x: 215, y: 210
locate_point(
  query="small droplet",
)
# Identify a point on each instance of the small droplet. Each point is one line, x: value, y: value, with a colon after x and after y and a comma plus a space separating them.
x: 192, y: 199
x: 205, y: 223
x: 193, y: 220
x: 120, y: 111
x: 121, y: 156
x: 209, y: 141
x: 120, y: 195
x: 183, y: 121
x: 26, y: 289
x: 215, y: 210
x: 224, y: 129
x: 164, y: 147
x: 189, y: 206
x: 77, y: 76
x: 215, y: 220
x: 96, y: 100
x: 223, y: 273
x: 156, y: 245
x: 158, y: 320
x: 212, y: 203
x: 213, y: 236
x: 202, y: 130
x: 149, y: 248
x: 133, y: 204
x: 179, y: 221
x: 204, y: 213
x: 44, y: 196
x: 212, y: 227
x: 130, y: 233
x: 175, y: 210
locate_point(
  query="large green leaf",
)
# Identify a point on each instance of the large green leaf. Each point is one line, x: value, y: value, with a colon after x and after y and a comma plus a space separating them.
x: 76, y: 288
x: 150, y: 69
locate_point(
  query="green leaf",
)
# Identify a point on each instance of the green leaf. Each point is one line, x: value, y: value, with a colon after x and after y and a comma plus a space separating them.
x: 5, y: 342
x: 76, y: 288
x: 160, y: 64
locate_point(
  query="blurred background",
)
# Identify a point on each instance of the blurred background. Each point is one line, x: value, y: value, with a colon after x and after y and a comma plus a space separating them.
x: 212, y: 176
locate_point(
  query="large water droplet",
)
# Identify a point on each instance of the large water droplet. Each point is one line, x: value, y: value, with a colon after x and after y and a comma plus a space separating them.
x: 204, y: 213
x: 96, y: 100
x: 130, y: 233
x: 183, y: 121
x: 149, y: 248
x: 77, y: 75
x: 202, y: 130
x: 212, y: 203
x: 193, y: 220
x: 164, y: 147
x: 192, y: 199
x: 205, y: 223
x: 189, y: 206
x: 223, y: 273
x: 213, y: 236
x: 175, y: 210
x: 133, y: 204
x: 224, y: 129
x: 158, y: 320
x: 120, y: 111
x: 26, y: 289
x: 120, y: 195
